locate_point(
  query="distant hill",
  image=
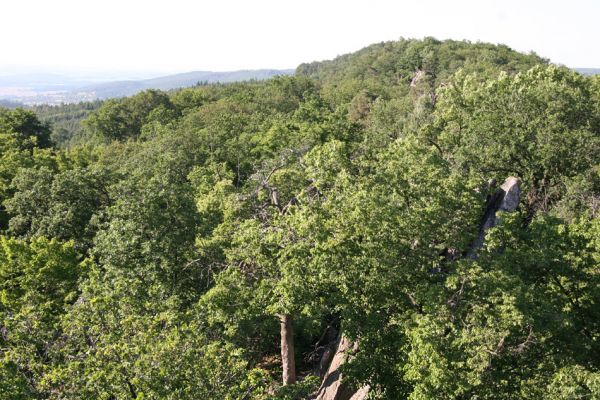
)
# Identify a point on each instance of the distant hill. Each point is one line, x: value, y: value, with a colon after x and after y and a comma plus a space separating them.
x: 55, y: 89
x: 128, y: 88
x: 10, y: 104
x: 588, y: 71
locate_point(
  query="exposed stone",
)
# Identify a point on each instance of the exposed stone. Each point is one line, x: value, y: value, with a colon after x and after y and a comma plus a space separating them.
x: 512, y: 194
x: 333, y: 387
x: 418, y: 76
x: 361, y: 394
x: 506, y: 199
x: 325, y: 361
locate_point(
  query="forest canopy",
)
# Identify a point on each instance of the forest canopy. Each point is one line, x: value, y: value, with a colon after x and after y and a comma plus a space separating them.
x: 227, y: 241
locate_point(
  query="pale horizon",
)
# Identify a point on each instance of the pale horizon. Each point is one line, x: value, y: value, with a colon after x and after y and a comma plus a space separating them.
x: 151, y: 38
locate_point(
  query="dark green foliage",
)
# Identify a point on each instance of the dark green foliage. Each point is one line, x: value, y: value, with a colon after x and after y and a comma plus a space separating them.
x: 65, y: 121
x: 25, y: 127
x: 56, y: 205
x: 528, y: 125
x: 123, y: 118
x: 38, y: 282
x: 23, y: 144
x: 387, y: 69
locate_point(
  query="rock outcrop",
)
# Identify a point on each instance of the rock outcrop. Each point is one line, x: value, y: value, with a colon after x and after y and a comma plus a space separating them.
x: 418, y: 76
x: 505, y: 199
x: 333, y: 387
x: 361, y: 394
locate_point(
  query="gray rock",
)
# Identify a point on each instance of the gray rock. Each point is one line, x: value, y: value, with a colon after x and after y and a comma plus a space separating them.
x: 418, y: 76
x: 362, y: 393
x: 506, y: 199
x: 333, y: 387
x: 512, y: 194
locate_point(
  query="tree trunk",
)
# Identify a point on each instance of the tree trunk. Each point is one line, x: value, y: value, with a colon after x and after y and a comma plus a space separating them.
x: 288, y: 360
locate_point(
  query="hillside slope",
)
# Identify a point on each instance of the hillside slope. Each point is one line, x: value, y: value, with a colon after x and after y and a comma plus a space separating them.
x: 388, y: 68
x: 128, y: 88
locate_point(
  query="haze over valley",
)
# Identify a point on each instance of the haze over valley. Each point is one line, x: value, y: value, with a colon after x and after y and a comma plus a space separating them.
x: 73, y: 87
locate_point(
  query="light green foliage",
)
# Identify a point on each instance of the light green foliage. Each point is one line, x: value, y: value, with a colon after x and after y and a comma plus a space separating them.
x: 572, y: 383
x: 122, y: 119
x: 25, y: 127
x: 12, y: 158
x: 41, y: 274
x: 512, y: 319
x: 383, y: 251
x: 299, y: 390
x: 326, y: 162
x: 59, y: 206
x: 528, y: 125
x: 125, y: 349
x: 38, y: 281
x: 149, y: 235
x: 23, y: 143
x: 218, y: 209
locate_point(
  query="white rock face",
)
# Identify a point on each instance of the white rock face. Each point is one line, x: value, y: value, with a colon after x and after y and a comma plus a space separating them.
x: 361, y: 394
x: 506, y: 199
x: 333, y: 387
x: 512, y: 194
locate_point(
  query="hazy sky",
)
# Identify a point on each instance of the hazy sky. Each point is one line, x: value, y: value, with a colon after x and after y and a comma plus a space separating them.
x: 178, y: 35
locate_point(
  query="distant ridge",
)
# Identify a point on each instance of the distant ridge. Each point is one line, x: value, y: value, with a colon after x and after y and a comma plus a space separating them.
x: 10, y: 104
x: 55, y: 88
x: 588, y: 71
x: 128, y: 88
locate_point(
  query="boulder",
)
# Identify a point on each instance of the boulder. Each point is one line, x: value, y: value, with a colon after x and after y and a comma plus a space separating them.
x: 506, y: 199
x: 512, y: 194
x: 361, y: 394
x: 333, y: 387
x: 417, y: 77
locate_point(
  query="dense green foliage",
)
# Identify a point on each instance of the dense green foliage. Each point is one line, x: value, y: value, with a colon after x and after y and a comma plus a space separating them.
x: 65, y: 121
x: 153, y: 256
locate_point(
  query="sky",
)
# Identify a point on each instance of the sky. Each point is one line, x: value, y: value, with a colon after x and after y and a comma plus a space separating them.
x: 224, y: 35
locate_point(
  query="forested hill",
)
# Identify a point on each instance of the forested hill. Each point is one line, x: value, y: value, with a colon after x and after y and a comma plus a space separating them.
x: 417, y: 220
x: 34, y: 89
x: 65, y: 121
x: 389, y: 67
x: 128, y: 88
